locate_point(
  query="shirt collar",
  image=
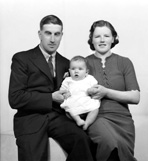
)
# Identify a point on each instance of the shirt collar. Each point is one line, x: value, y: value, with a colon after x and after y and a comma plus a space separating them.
x: 46, y: 55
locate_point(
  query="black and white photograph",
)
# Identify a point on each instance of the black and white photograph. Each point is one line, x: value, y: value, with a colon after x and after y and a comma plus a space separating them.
x: 73, y: 80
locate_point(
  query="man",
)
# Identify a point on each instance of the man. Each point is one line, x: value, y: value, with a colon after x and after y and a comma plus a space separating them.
x: 33, y: 91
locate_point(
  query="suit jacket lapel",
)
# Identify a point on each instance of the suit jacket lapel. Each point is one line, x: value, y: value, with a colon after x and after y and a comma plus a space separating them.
x: 59, y: 68
x: 39, y: 60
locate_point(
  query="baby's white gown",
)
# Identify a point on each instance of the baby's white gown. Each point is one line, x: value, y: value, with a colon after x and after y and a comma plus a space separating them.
x: 79, y: 102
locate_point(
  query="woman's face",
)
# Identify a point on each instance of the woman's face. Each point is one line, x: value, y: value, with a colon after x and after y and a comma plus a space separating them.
x: 102, y: 39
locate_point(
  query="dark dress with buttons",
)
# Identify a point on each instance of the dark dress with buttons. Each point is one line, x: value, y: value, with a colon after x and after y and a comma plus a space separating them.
x: 114, y: 126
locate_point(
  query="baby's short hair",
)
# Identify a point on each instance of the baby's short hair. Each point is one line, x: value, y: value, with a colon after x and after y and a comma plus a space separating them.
x: 79, y: 58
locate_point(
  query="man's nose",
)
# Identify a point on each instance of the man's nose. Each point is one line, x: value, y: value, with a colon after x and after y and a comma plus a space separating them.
x: 52, y: 39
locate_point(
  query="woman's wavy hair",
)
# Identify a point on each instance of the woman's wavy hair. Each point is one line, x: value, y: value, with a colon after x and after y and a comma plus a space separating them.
x: 102, y: 23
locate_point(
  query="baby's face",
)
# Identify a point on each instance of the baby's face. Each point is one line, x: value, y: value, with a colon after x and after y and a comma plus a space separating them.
x: 78, y: 70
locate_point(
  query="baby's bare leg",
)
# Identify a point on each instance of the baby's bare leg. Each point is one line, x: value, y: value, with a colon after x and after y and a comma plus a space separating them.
x: 78, y: 120
x: 91, y: 117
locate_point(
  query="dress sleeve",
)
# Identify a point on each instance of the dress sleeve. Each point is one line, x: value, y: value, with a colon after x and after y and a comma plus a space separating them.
x: 65, y: 84
x: 130, y: 75
x: 92, y: 81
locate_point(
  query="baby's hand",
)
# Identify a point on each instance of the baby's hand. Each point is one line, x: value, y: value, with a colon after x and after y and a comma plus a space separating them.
x: 66, y: 94
x: 66, y: 75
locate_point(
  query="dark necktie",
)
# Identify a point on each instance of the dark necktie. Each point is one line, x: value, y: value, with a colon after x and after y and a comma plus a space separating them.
x: 51, y: 66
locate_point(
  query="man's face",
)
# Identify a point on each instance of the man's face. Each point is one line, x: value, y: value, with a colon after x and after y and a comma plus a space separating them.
x: 50, y: 37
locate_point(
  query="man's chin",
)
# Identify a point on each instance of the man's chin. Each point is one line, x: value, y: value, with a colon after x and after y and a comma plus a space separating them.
x: 51, y: 50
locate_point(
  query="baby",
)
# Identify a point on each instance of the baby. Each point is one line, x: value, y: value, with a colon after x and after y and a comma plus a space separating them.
x: 77, y: 101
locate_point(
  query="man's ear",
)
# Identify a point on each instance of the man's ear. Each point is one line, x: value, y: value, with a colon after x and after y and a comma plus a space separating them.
x: 39, y: 34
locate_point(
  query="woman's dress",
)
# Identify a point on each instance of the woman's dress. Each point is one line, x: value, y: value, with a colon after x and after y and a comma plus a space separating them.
x: 114, y: 126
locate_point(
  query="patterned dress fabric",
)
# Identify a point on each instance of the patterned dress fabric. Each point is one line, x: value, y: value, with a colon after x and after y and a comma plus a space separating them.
x: 114, y: 126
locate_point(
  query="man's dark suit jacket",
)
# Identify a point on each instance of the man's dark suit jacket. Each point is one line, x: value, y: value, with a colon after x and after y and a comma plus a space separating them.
x: 31, y: 87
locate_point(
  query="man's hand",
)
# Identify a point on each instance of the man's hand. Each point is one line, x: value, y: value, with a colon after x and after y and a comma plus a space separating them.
x: 58, y: 96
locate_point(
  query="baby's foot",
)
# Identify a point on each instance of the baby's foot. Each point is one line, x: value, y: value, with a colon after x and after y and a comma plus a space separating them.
x: 80, y: 122
x: 85, y: 126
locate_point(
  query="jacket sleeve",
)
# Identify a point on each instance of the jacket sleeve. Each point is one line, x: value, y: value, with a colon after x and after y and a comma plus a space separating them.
x: 20, y: 95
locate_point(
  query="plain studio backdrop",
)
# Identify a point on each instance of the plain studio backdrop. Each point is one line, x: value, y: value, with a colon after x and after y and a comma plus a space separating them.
x: 19, y: 25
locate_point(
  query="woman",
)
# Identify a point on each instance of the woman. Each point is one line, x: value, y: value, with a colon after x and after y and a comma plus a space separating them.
x: 113, y: 131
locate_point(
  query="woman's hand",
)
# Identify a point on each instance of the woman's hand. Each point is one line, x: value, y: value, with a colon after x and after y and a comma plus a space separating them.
x: 97, y: 92
x: 129, y: 97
